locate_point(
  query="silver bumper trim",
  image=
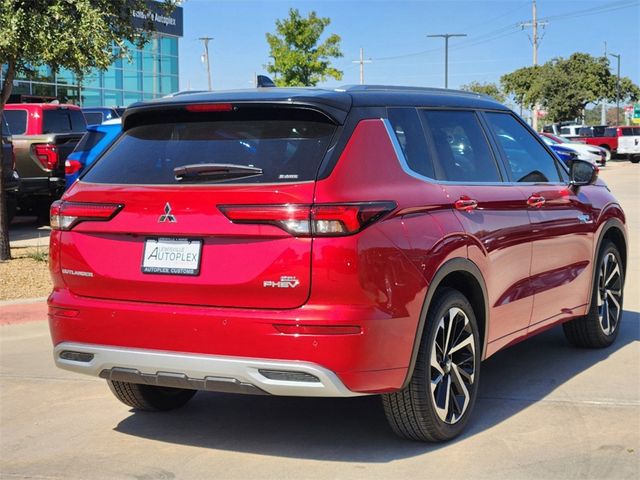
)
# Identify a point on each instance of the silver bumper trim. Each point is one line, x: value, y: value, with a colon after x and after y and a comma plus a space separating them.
x: 200, y: 367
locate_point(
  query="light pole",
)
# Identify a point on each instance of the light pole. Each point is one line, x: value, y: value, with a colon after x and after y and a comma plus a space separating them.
x: 617, y: 57
x: 446, y: 37
x: 206, y: 40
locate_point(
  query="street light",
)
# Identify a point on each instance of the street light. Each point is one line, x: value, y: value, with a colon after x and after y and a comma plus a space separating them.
x: 617, y: 57
x: 446, y: 37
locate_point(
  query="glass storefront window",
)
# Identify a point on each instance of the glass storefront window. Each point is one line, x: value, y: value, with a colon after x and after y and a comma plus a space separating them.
x: 113, y: 78
x: 169, y: 65
x: 65, y: 76
x: 91, y: 98
x: 132, y: 81
x: 91, y: 80
x: 69, y: 94
x: 131, y: 97
x: 169, y: 46
x: 44, y: 89
x: 112, y: 99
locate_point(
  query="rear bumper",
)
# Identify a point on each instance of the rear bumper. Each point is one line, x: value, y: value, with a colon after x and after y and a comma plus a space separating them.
x: 201, y: 372
x: 200, y: 342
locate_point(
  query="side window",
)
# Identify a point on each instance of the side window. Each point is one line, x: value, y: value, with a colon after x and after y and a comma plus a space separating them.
x: 527, y: 158
x: 408, y: 129
x: 17, y: 120
x: 463, y: 154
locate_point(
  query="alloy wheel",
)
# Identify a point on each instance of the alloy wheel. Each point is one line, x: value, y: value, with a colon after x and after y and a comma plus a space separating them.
x: 453, y: 366
x: 609, y: 293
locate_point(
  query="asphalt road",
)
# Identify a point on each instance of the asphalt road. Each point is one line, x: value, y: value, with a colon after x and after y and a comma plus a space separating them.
x: 545, y: 410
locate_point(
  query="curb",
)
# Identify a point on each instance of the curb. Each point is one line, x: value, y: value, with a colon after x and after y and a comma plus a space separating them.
x: 28, y: 310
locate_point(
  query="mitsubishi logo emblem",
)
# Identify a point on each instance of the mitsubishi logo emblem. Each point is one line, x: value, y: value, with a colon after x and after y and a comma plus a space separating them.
x: 167, y: 216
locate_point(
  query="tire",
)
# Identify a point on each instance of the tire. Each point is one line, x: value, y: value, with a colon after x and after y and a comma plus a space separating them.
x: 415, y: 412
x: 600, y: 326
x: 150, y: 397
x: 634, y: 158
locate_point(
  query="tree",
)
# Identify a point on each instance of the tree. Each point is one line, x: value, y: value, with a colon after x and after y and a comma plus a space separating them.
x: 77, y: 35
x: 524, y: 85
x: 298, y: 60
x: 490, y: 89
x: 565, y: 86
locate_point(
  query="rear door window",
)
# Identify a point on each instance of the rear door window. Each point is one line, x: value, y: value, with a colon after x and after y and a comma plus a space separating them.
x: 287, y: 146
x: 93, y: 118
x: 88, y: 141
x: 462, y: 151
x: 527, y: 159
x: 63, y: 120
x: 408, y: 131
x: 17, y: 120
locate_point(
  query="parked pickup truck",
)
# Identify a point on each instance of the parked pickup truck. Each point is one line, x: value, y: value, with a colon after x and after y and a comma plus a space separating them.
x: 43, y: 135
x: 605, y: 137
x: 629, y: 143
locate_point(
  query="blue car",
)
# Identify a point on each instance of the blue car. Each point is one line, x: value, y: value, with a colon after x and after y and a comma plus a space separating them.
x: 93, y: 143
x: 567, y: 155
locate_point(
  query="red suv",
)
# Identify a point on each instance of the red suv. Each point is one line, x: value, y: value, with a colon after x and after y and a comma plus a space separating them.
x: 307, y: 242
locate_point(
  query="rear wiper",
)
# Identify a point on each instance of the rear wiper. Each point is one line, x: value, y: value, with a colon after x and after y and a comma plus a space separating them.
x: 214, y: 171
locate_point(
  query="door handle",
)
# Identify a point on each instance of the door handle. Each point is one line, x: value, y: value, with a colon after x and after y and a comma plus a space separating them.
x: 466, y: 204
x: 536, y: 200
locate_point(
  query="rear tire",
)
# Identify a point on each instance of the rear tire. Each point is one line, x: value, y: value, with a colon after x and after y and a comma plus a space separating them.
x: 600, y: 326
x: 150, y: 397
x: 634, y: 158
x: 437, y: 403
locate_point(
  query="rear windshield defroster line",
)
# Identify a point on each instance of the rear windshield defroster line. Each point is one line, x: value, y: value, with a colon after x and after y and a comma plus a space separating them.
x: 288, y: 145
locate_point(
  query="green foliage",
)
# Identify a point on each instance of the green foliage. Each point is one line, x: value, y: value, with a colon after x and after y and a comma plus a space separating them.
x: 490, y: 89
x: 298, y: 59
x: 564, y: 87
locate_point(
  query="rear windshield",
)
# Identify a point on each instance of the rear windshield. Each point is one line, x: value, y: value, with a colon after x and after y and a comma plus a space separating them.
x: 93, y: 118
x: 17, y: 120
x: 88, y: 141
x: 630, y: 131
x: 287, y: 149
x: 63, y: 121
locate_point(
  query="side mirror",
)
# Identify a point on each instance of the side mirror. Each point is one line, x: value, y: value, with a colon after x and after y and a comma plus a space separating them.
x: 583, y: 173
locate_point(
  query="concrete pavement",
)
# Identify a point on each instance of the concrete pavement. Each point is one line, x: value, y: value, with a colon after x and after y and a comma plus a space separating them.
x: 545, y: 410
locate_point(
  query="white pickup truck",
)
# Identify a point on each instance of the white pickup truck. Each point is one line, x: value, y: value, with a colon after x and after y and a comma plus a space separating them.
x: 629, y: 143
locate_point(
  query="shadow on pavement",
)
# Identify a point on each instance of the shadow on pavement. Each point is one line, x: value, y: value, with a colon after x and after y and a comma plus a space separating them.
x: 355, y: 429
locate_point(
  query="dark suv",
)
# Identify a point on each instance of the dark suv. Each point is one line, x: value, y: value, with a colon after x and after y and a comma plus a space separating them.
x: 309, y: 242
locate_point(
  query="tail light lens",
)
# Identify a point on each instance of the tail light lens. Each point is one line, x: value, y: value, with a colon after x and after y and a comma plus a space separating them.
x: 320, y: 220
x: 47, y: 155
x: 66, y: 215
x: 71, y: 167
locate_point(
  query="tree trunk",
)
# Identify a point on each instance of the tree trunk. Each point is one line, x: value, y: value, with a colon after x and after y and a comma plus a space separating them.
x: 5, y: 247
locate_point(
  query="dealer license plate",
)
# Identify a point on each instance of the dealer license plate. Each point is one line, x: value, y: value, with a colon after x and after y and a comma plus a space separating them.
x: 172, y: 256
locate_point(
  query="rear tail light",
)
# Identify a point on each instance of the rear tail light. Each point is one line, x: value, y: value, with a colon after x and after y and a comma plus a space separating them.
x: 47, y: 155
x: 65, y: 215
x: 71, y: 167
x: 321, y: 220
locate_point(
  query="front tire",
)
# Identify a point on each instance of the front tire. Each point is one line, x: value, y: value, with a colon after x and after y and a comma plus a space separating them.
x: 436, y: 404
x: 600, y: 326
x: 150, y: 397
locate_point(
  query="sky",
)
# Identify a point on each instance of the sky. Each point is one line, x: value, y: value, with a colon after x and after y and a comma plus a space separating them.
x: 393, y: 35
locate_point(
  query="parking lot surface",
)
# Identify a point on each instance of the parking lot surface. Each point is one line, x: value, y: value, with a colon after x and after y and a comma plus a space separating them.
x: 545, y: 410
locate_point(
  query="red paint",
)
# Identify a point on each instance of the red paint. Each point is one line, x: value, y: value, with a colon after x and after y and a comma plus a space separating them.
x: 536, y: 262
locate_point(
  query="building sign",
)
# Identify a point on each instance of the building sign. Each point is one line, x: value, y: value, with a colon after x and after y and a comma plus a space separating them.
x: 168, y: 24
x: 635, y: 118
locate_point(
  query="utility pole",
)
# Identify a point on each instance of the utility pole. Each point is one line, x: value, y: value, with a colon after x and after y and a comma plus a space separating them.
x: 446, y: 37
x: 603, y: 113
x: 362, y: 61
x: 206, y: 40
x: 535, y: 41
x: 617, y: 57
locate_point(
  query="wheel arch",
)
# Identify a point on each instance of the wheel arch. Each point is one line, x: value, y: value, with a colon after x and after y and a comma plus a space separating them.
x: 614, y: 231
x: 463, y: 275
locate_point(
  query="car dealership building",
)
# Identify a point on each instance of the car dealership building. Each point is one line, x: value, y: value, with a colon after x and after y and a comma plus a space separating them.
x: 143, y: 74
